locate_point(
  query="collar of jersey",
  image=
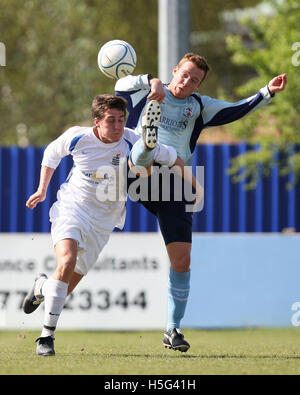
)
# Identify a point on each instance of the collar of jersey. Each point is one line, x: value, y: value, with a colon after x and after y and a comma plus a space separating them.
x: 174, y: 98
x: 105, y: 144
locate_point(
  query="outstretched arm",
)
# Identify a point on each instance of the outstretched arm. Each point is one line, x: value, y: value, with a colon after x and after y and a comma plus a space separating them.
x: 218, y: 112
x: 53, y: 154
x: 40, y: 194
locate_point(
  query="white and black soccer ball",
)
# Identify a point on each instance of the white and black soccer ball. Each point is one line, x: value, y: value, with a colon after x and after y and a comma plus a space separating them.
x: 116, y: 59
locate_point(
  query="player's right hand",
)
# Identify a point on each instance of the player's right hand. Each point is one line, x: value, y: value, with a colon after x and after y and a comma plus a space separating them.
x: 36, y: 198
x: 157, y: 90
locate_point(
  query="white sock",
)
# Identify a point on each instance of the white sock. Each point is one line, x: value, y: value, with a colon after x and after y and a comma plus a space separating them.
x: 38, y: 287
x: 55, y: 293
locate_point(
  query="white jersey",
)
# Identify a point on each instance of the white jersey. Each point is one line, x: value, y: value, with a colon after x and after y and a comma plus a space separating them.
x: 96, y: 186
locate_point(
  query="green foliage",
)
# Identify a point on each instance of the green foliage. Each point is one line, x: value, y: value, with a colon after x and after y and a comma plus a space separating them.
x: 277, y: 126
x: 208, y: 32
x: 51, y: 73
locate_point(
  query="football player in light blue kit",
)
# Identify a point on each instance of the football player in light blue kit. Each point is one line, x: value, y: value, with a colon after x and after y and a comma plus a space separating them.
x: 184, y: 114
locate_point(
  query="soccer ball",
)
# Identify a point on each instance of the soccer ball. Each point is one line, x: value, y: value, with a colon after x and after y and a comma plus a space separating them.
x: 116, y: 59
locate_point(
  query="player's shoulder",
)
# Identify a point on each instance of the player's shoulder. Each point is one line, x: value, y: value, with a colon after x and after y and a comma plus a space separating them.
x: 132, y: 83
x: 75, y: 134
x: 206, y: 100
x: 77, y: 130
x: 198, y: 98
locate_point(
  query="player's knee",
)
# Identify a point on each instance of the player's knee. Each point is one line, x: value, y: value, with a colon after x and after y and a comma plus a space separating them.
x: 66, y: 263
x: 181, y: 263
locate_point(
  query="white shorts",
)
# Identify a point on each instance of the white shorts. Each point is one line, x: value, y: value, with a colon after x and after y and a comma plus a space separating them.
x: 70, y: 225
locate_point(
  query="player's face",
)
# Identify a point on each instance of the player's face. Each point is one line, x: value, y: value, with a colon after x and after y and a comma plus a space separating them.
x: 186, y: 80
x: 111, y: 126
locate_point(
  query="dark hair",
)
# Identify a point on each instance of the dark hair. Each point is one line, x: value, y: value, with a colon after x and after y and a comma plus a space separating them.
x: 101, y: 103
x: 198, y: 60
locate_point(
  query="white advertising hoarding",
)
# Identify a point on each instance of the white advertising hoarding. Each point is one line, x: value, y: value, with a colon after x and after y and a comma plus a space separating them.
x: 126, y: 289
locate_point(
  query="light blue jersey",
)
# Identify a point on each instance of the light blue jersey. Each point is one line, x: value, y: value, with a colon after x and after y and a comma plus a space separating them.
x: 182, y: 120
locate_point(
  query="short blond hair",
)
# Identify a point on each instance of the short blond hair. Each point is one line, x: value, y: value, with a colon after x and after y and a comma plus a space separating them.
x: 198, y: 60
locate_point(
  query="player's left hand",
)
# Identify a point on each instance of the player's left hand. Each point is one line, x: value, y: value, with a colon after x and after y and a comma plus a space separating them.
x: 278, y: 83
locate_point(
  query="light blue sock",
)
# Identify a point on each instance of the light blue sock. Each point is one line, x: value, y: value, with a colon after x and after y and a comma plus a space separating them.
x: 139, y: 156
x: 179, y: 288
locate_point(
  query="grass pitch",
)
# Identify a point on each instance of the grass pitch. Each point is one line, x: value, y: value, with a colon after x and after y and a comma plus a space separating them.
x: 212, y: 352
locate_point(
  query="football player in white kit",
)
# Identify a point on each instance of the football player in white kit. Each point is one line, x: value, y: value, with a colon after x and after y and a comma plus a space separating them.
x: 90, y: 203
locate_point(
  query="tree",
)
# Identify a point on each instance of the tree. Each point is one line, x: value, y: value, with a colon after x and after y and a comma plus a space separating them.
x: 51, y: 73
x: 274, y: 50
x: 208, y: 31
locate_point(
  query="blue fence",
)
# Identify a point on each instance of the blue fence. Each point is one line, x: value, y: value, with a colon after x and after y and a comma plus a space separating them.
x: 228, y: 207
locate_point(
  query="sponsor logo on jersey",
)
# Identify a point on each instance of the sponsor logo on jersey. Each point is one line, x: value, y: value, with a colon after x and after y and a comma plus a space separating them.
x: 171, y: 124
x: 99, y: 177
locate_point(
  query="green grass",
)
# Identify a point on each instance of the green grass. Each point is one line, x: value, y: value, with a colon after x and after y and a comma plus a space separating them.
x: 238, y: 352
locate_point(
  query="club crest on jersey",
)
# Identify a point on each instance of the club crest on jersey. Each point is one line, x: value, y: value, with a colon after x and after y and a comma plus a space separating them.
x: 116, y: 160
x: 188, y: 112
